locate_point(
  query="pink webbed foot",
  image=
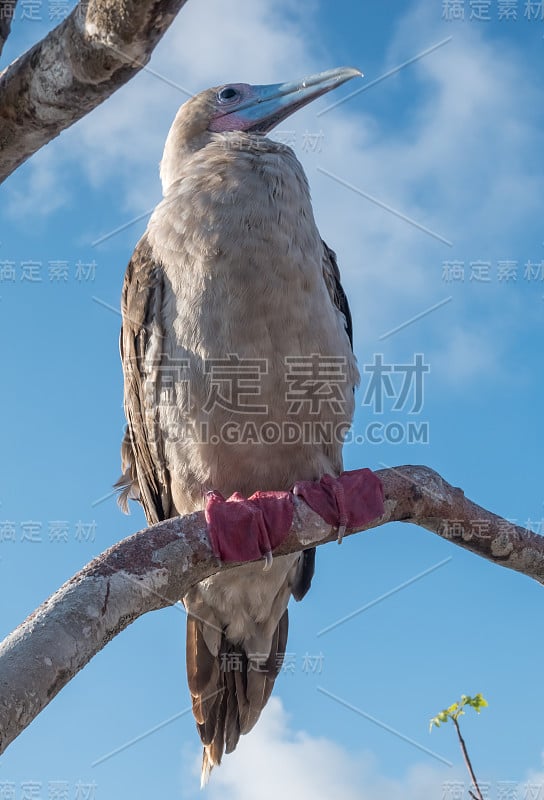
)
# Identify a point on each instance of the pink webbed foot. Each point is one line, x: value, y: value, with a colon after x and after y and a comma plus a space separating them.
x: 247, y: 529
x: 352, y: 500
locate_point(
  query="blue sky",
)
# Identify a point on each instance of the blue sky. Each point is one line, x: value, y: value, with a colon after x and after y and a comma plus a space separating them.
x: 428, y: 183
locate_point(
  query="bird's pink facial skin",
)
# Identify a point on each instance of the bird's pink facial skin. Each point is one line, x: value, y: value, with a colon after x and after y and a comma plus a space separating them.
x: 223, y: 120
x: 227, y: 122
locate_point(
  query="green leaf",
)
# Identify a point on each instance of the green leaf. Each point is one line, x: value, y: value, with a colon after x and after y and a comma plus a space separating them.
x: 479, y: 702
x: 456, y: 710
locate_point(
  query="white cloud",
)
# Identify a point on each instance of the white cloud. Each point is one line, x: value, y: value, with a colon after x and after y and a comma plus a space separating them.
x: 43, y: 190
x: 276, y: 761
x: 466, y: 354
x: 460, y: 164
x: 533, y: 787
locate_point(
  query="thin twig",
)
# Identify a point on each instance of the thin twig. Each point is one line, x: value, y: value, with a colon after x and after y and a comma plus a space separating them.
x: 468, y: 762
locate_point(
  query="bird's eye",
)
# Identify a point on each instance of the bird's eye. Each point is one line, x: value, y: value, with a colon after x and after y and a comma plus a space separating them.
x: 227, y: 94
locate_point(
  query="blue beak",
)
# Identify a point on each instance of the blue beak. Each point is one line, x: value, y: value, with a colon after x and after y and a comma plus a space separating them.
x: 269, y: 105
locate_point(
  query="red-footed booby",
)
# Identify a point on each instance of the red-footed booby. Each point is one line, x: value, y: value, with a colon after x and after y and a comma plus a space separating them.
x: 234, y: 324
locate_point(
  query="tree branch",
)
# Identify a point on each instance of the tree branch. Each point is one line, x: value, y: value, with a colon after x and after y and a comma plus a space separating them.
x: 78, y: 65
x: 7, y: 11
x: 154, y: 568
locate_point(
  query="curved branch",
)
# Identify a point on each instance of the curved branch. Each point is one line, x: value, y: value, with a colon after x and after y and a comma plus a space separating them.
x: 78, y: 65
x: 154, y: 568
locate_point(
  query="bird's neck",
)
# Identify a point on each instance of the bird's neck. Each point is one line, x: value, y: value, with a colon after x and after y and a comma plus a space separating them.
x: 235, y: 208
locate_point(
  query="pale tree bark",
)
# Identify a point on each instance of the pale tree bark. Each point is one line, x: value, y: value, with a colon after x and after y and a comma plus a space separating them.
x: 154, y: 568
x: 78, y: 65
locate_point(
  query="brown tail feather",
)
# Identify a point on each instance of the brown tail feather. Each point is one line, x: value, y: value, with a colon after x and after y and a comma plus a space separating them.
x: 260, y: 679
x: 232, y: 718
x: 202, y: 667
x: 229, y: 691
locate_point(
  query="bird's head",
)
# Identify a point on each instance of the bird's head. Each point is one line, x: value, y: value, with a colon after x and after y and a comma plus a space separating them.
x: 240, y: 107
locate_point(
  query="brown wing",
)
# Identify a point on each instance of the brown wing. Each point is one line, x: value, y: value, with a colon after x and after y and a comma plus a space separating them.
x: 145, y: 476
x: 331, y: 273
